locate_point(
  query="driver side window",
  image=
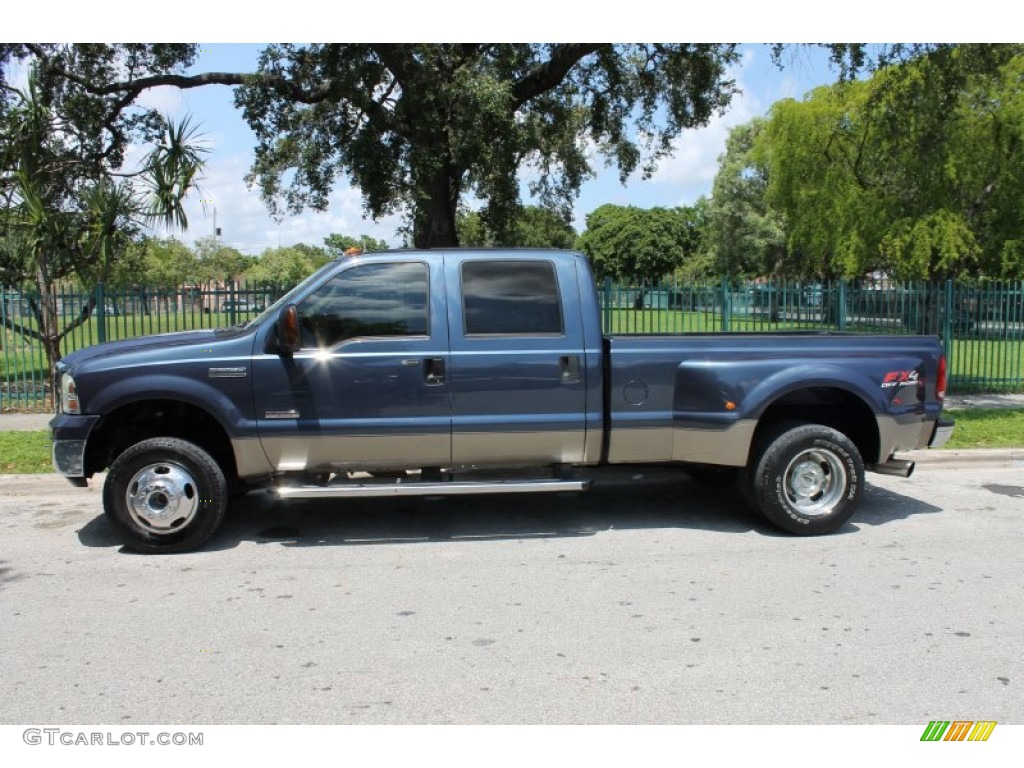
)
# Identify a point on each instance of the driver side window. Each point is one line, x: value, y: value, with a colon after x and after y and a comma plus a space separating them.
x: 369, y: 300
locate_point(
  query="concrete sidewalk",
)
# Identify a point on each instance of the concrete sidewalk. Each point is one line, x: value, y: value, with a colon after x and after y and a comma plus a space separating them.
x: 24, y: 422
x: 959, y: 402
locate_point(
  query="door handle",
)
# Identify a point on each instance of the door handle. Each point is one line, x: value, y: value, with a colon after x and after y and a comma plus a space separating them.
x: 433, y: 371
x: 569, y: 367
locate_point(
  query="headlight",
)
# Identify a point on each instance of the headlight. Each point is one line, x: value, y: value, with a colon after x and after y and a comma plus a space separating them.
x: 69, y: 395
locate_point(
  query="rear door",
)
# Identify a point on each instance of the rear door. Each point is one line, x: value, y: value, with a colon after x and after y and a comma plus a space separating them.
x: 517, y: 368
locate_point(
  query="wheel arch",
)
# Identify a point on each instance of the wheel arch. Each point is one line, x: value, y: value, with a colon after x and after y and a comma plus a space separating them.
x: 829, y: 405
x: 163, y: 417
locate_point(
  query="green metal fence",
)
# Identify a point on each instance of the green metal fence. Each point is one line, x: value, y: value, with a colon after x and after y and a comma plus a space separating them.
x: 981, y: 324
x: 105, y: 315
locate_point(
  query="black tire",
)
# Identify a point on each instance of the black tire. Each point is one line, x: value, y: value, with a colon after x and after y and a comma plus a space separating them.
x: 807, y: 479
x: 164, y: 494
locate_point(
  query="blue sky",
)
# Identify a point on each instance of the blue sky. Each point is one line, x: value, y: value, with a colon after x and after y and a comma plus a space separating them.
x: 246, y: 225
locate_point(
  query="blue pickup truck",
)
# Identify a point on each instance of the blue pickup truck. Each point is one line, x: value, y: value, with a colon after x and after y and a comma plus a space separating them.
x: 479, y: 371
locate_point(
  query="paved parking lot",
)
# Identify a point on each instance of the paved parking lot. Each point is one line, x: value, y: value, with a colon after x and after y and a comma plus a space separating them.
x: 647, y: 600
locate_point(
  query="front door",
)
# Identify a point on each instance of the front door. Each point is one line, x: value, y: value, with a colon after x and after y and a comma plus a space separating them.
x: 369, y: 387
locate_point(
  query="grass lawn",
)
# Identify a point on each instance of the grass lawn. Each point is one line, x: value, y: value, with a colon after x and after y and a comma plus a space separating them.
x: 987, y: 428
x: 25, y: 452
x: 29, y: 452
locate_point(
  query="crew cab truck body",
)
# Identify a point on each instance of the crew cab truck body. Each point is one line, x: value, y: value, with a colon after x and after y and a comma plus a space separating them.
x: 412, y: 372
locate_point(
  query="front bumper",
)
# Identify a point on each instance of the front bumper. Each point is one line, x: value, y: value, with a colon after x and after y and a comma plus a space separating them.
x: 69, y: 434
x: 942, y: 432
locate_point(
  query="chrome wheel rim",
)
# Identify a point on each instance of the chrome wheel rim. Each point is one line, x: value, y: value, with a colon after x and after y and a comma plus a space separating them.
x: 815, y: 482
x: 162, y: 497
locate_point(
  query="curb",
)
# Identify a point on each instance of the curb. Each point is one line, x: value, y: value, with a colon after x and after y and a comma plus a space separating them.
x: 978, y: 457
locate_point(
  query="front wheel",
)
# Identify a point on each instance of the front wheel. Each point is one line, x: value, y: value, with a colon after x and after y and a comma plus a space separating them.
x: 807, y: 479
x: 164, y: 494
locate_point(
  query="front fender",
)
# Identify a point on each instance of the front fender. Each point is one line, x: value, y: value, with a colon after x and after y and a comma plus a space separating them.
x: 222, y: 403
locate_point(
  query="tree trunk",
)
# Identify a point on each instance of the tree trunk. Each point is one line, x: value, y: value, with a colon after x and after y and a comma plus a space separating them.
x: 438, y: 200
x: 47, y: 319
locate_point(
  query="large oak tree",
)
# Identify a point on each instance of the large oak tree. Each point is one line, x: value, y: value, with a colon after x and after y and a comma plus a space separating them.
x: 418, y: 126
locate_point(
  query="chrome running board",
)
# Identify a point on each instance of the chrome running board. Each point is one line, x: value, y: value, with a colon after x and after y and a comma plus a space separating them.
x: 355, y: 490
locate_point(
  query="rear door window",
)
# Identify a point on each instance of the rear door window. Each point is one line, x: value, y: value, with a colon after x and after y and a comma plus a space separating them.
x: 518, y: 298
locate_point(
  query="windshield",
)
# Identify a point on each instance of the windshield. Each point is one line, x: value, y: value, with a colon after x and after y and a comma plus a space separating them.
x: 274, y: 308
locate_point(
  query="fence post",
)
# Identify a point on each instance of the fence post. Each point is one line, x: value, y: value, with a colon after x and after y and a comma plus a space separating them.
x: 841, y: 306
x: 947, y: 325
x: 606, y: 305
x: 101, y: 313
x: 726, y: 304
x: 233, y: 301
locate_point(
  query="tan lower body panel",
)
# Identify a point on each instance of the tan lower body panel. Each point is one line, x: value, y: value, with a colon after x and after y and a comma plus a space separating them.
x: 728, y: 446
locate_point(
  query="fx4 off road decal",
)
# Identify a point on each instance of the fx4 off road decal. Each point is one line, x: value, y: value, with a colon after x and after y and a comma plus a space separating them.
x: 900, y: 379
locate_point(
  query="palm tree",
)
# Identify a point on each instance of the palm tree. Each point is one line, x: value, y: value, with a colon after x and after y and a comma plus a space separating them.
x: 69, y: 212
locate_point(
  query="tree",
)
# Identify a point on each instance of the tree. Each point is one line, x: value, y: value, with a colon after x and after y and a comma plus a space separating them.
x: 641, y: 243
x: 918, y: 171
x: 287, y: 266
x: 418, y: 126
x: 336, y: 244
x: 218, y: 263
x: 154, y: 262
x: 68, y: 210
x: 533, y: 227
x: 745, y: 234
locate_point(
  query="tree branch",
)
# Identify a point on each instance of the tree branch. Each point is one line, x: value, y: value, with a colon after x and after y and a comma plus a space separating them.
x: 130, y: 89
x: 83, y: 317
x: 29, y: 333
x: 550, y: 73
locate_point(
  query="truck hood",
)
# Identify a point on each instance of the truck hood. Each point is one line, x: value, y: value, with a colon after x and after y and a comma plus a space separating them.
x: 167, y: 343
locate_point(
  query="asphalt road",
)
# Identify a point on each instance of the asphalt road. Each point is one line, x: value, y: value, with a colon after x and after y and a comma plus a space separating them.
x: 647, y: 600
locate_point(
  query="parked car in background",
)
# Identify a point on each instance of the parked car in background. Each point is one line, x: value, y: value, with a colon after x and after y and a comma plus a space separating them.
x: 240, y: 305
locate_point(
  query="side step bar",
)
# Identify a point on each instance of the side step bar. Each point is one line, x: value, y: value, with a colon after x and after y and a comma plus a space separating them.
x: 354, y: 490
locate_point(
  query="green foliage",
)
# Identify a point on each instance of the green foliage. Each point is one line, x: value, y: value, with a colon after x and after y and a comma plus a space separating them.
x: 287, y: 266
x: 218, y: 263
x: 416, y: 126
x: 533, y: 227
x: 162, y: 263
x: 918, y: 171
x: 629, y: 242
x: 745, y: 235
x: 336, y: 244
x: 68, y: 210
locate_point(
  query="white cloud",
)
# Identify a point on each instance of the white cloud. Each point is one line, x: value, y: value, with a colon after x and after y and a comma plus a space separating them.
x: 694, y: 161
x: 245, y: 223
x: 165, y: 99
